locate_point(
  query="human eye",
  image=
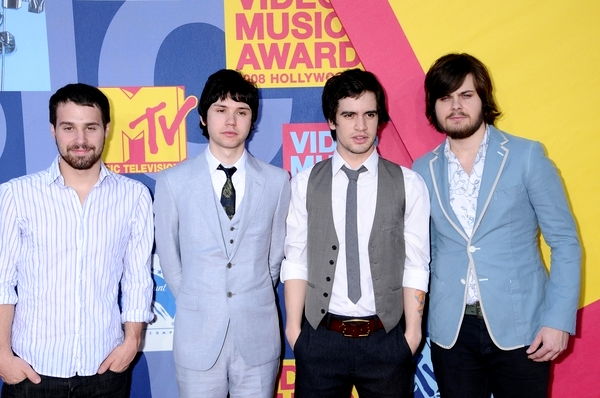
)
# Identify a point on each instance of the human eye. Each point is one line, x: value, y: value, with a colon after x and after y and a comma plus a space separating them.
x: 444, y: 98
x: 371, y: 115
x: 468, y: 94
x: 243, y: 112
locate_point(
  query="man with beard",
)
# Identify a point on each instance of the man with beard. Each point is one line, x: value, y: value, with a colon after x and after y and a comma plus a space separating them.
x: 357, y: 254
x: 496, y: 316
x: 74, y: 239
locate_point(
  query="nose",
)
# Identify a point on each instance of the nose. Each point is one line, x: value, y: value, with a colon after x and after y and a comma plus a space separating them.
x: 456, y: 104
x: 230, y: 119
x: 80, y: 137
x: 361, y: 124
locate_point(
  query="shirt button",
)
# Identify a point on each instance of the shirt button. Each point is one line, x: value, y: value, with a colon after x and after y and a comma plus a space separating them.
x: 229, y: 265
x: 229, y: 294
x: 230, y: 240
x: 472, y: 249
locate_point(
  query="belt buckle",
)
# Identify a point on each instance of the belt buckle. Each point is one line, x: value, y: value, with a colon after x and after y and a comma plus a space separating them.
x: 350, y: 322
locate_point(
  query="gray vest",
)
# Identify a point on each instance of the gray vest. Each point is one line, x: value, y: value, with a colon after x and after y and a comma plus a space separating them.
x: 386, y: 243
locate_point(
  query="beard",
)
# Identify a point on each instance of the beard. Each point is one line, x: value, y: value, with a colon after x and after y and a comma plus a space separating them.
x: 80, y: 162
x: 462, y: 132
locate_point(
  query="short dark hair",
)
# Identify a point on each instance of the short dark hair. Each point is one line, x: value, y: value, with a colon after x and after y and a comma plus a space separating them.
x: 352, y: 83
x: 227, y: 83
x: 448, y: 73
x: 80, y: 94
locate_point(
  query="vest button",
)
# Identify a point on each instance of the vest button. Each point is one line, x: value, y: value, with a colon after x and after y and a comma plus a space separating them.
x: 325, y: 294
x: 328, y: 279
x: 232, y: 229
x: 230, y: 240
x: 229, y: 265
x: 334, y: 247
x: 331, y: 262
x: 229, y: 294
x: 322, y: 311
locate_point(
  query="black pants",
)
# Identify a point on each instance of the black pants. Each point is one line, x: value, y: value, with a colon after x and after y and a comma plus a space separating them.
x: 475, y: 367
x: 329, y: 364
x: 106, y: 385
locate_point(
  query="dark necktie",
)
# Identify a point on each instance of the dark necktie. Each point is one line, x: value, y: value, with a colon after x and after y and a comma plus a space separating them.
x: 228, y: 192
x: 352, y: 260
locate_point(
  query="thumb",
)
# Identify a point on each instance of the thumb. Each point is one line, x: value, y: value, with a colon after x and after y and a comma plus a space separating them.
x: 32, y: 375
x: 104, y: 366
x: 535, y: 344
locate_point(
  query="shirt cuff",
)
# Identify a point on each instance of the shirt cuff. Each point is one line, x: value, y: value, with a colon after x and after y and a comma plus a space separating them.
x: 137, y: 316
x: 291, y: 270
x: 8, y: 296
x: 416, y: 279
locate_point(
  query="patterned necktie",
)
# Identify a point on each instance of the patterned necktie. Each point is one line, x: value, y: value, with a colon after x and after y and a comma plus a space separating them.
x: 228, y: 192
x: 352, y: 260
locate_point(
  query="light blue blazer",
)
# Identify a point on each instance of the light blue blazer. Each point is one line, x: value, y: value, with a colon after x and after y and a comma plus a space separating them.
x: 215, y: 288
x: 521, y: 193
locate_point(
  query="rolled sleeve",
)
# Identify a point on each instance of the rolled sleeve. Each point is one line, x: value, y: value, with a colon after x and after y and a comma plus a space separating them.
x: 294, y: 266
x: 416, y: 232
x: 136, y: 284
x: 9, y: 246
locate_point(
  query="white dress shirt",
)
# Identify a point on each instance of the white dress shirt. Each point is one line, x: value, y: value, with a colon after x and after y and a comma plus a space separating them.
x: 463, y: 193
x: 416, y: 233
x: 218, y: 177
x: 67, y: 261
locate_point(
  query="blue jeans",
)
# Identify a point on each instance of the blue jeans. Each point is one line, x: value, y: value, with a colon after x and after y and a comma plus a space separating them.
x: 107, y: 385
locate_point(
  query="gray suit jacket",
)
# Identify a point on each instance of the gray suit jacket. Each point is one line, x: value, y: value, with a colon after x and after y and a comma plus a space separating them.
x: 215, y: 288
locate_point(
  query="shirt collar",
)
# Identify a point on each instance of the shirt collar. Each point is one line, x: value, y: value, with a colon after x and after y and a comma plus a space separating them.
x: 54, y: 174
x: 371, y: 163
x: 213, y: 162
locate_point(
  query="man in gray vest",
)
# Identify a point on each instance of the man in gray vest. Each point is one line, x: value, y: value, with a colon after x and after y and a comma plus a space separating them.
x: 357, y: 254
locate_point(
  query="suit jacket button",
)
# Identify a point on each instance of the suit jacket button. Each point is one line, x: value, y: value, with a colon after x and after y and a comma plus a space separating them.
x: 322, y: 311
x: 328, y: 279
x: 325, y: 294
x: 229, y: 294
x: 334, y: 247
x: 331, y: 262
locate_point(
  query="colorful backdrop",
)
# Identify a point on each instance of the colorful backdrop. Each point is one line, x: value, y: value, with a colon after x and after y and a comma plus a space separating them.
x: 151, y: 58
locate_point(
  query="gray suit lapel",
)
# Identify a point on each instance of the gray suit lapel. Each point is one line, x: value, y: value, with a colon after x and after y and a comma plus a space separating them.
x: 438, y: 167
x: 255, y: 185
x: 495, y: 159
x: 207, y: 201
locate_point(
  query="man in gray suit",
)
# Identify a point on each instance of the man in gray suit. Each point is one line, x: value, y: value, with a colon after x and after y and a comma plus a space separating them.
x: 220, y: 227
x: 357, y: 254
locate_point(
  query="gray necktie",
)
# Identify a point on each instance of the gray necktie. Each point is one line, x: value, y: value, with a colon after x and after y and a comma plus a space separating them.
x: 352, y: 260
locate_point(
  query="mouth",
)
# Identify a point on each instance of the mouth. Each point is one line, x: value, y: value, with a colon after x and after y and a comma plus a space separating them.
x: 360, y: 139
x: 457, y: 116
x: 229, y: 133
x: 80, y: 150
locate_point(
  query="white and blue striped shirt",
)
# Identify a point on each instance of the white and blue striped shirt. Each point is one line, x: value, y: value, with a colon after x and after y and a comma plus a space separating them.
x: 67, y: 261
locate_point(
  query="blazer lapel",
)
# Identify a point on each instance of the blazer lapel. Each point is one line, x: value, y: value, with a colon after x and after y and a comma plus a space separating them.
x: 255, y: 185
x: 207, y: 201
x: 495, y: 159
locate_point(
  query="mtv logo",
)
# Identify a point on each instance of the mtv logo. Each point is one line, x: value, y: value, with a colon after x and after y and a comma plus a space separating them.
x: 148, y: 130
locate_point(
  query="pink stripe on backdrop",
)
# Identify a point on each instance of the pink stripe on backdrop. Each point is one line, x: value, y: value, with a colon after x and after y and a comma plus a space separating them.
x: 576, y: 372
x: 377, y: 37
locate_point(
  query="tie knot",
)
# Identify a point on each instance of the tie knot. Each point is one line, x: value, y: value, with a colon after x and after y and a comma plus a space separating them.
x: 353, y: 174
x: 228, y: 170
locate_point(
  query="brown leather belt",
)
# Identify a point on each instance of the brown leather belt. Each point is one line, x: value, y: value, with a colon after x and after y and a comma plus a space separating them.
x: 352, y: 327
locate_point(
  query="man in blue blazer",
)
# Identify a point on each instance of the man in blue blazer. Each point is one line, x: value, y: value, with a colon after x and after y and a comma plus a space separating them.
x: 496, y: 316
x: 220, y: 228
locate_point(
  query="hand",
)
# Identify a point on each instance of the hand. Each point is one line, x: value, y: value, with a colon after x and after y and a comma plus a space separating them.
x: 548, y: 344
x: 413, y: 339
x: 14, y: 370
x: 119, y: 359
x: 291, y: 334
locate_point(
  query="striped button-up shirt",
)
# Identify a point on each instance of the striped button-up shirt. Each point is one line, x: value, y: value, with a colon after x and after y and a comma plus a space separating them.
x: 69, y: 261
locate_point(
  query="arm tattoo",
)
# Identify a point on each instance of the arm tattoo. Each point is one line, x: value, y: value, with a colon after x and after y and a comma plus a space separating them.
x: 420, y: 299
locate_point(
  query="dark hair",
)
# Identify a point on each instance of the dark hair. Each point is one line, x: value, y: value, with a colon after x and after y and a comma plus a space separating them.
x: 351, y: 84
x: 448, y: 73
x: 227, y: 83
x: 80, y: 94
